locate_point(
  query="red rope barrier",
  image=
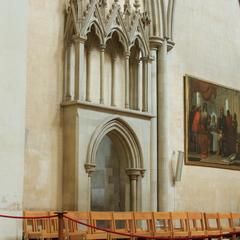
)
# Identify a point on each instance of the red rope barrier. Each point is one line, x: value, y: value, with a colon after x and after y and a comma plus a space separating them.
x: 124, y: 234
x: 26, y: 217
x: 150, y: 237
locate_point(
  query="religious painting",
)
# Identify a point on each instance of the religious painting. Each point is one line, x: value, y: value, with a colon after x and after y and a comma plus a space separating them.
x: 212, y: 131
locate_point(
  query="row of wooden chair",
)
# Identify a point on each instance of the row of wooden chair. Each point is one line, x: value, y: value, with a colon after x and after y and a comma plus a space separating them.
x: 147, y: 224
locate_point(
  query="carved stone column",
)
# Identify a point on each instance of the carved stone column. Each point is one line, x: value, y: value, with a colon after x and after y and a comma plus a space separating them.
x: 127, y: 55
x: 135, y: 84
x: 133, y: 174
x: 153, y: 140
x: 113, y: 94
x: 162, y: 130
x: 79, y: 68
x: 102, y: 73
x: 88, y: 78
x: 145, y: 85
x: 68, y: 72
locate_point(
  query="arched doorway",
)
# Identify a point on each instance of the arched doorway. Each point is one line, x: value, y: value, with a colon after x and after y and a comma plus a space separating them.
x: 116, y: 166
x: 109, y: 182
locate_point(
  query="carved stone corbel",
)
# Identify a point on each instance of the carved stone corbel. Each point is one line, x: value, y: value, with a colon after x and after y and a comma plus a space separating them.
x: 90, y: 168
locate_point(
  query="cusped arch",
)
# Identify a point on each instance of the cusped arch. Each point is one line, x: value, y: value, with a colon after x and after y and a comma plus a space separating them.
x: 126, y: 136
x: 98, y: 30
x: 142, y: 44
x: 122, y: 37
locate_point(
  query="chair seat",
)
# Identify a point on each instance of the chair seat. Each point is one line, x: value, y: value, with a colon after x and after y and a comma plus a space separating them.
x: 197, y: 233
x: 162, y: 233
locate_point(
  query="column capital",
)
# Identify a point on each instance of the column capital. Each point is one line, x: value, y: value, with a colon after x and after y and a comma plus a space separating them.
x: 78, y: 39
x: 127, y: 54
x: 134, y: 173
x: 146, y: 59
x: 102, y: 47
x: 90, y: 168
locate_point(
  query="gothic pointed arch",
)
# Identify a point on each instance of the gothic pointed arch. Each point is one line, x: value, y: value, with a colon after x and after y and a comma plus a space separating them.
x: 124, y: 134
x: 137, y: 32
x: 121, y: 37
x: 98, y: 30
x: 93, y: 18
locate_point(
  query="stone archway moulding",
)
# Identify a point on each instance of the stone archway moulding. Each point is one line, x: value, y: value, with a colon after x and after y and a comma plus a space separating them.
x: 126, y: 136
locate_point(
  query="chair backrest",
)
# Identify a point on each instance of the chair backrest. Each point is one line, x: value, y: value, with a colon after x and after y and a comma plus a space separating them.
x: 179, y: 224
x: 79, y: 216
x: 225, y: 222
x: 196, y: 221
x: 102, y: 220
x: 123, y: 221
x: 36, y: 225
x: 211, y: 221
x: 143, y: 222
x: 53, y: 222
x: 235, y: 221
x: 162, y: 222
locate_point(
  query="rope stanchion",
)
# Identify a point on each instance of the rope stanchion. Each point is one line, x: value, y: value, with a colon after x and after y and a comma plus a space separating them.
x: 60, y: 216
x: 26, y: 217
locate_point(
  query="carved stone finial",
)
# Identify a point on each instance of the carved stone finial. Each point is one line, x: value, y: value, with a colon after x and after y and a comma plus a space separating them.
x: 137, y: 5
x: 145, y: 19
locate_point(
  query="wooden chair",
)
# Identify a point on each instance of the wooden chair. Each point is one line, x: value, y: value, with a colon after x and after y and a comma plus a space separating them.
x: 225, y: 222
x: 35, y: 228
x: 143, y: 223
x: 122, y: 223
x: 102, y: 220
x: 53, y: 226
x: 77, y: 231
x: 236, y: 222
x: 179, y: 224
x: 212, y: 224
x: 162, y: 226
x: 196, y: 224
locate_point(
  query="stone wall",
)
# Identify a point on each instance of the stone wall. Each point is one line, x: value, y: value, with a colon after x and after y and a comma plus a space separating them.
x: 207, y: 39
x: 13, y: 64
x: 43, y: 151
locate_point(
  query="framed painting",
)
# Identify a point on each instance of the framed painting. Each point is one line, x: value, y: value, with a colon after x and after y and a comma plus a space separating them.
x: 212, y: 119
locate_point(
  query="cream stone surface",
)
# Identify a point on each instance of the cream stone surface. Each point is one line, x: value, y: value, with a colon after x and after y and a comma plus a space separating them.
x: 69, y: 85
x: 43, y: 150
x: 207, y: 46
x: 13, y: 65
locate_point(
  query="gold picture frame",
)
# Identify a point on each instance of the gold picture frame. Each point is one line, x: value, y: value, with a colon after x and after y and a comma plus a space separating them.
x: 212, y: 124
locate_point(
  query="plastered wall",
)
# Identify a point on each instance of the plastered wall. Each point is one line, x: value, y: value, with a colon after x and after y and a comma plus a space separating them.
x: 43, y: 150
x: 207, y: 46
x: 207, y: 36
x: 13, y: 23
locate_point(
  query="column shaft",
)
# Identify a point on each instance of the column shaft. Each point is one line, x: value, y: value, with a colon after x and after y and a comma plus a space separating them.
x: 137, y: 85
x: 76, y: 76
x: 133, y: 193
x: 102, y: 74
x: 88, y: 82
x: 153, y: 140
x: 162, y: 130
x: 79, y: 79
x: 113, y: 94
x: 145, y: 86
x: 127, y: 80
x: 68, y: 72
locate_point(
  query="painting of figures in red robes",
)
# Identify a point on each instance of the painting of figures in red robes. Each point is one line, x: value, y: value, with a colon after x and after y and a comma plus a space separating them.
x: 212, y: 124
